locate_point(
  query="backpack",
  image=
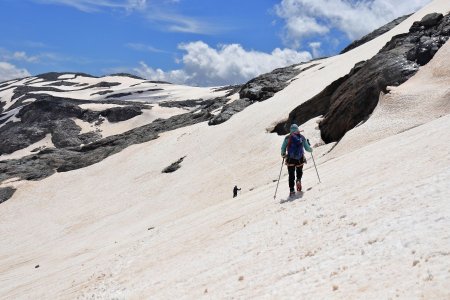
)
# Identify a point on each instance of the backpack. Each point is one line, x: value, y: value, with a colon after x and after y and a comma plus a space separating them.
x: 295, y: 146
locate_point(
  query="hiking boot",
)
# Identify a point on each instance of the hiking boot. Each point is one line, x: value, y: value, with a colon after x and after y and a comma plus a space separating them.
x: 299, y: 186
x: 291, y: 193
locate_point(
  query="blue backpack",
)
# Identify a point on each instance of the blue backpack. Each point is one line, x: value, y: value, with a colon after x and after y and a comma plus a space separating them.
x: 295, y: 146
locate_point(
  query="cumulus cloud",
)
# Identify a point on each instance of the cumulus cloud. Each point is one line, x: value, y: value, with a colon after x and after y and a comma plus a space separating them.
x: 9, y: 71
x: 305, y: 18
x: 315, y: 48
x: 227, y: 64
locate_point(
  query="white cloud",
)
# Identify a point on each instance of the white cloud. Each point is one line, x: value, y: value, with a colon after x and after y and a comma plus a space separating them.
x: 305, y: 18
x: 9, y: 71
x: 160, y: 12
x: 175, y: 76
x: 226, y: 64
x: 144, y: 48
x: 179, y: 23
x: 22, y: 56
x: 315, y: 48
x: 6, y: 55
x: 90, y: 6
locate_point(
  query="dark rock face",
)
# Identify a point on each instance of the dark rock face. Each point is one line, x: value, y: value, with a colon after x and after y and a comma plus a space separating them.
x: 119, y: 114
x: 374, y: 34
x: 229, y: 110
x: 103, y: 92
x: 208, y: 105
x: 429, y: 35
x: 265, y: 86
x: 127, y: 75
x: 62, y: 83
x: 314, y: 107
x: 103, y: 84
x: 431, y: 20
x: 174, y: 166
x: 351, y: 99
x: 356, y: 98
x: 118, y: 95
x: 6, y: 193
x: 232, y: 89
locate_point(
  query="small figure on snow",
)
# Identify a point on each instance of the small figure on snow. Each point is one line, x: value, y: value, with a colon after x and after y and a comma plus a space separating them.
x: 235, y: 190
x: 294, y: 143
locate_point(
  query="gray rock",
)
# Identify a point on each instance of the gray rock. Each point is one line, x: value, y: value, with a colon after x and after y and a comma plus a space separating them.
x: 101, y: 93
x: 119, y: 114
x: 229, y: 110
x: 65, y: 133
x: 431, y: 19
x: 174, y: 166
x: 6, y: 193
x: 118, y: 95
x: 127, y: 75
x: 265, y: 86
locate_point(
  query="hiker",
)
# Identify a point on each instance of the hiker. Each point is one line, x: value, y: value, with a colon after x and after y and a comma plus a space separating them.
x: 294, y: 143
x: 235, y: 190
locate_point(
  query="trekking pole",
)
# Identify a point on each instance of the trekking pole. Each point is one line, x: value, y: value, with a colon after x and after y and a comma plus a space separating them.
x: 282, y: 163
x: 315, y: 166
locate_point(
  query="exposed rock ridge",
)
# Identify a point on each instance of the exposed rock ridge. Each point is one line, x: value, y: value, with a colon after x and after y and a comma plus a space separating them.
x: 350, y: 100
x: 374, y: 34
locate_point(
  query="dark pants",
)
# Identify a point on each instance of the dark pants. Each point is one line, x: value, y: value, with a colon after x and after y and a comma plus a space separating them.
x: 292, y: 172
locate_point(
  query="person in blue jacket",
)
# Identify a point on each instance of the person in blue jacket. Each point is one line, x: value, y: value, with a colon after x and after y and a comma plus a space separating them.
x: 292, y: 150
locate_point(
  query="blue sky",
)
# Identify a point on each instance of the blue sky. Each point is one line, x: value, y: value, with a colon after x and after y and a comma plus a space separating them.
x: 197, y: 42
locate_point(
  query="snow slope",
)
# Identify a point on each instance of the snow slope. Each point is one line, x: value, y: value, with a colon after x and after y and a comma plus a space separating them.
x: 377, y: 226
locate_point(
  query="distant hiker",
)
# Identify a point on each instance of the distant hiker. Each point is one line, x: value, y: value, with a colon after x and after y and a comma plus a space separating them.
x: 235, y: 190
x: 294, y: 143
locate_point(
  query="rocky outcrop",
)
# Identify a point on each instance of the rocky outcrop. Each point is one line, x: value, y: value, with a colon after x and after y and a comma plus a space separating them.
x: 265, y: 86
x: 208, y: 105
x: 174, y: 166
x: 374, y: 34
x: 6, y: 193
x: 101, y: 93
x: 314, y: 107
x: 229, y: 110
x: 350, y: 100
x: 119, y: 114
x: 127, y: 75
x: 103, y: 84
x: 118, y: 95
x: 428, y: 35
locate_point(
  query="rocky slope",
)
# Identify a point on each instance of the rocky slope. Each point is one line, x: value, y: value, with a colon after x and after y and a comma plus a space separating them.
x: 351, y: 99
x: 74, y: 110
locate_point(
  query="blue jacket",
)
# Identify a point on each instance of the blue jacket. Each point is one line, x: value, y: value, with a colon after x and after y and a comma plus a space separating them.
x: 306, y: 145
